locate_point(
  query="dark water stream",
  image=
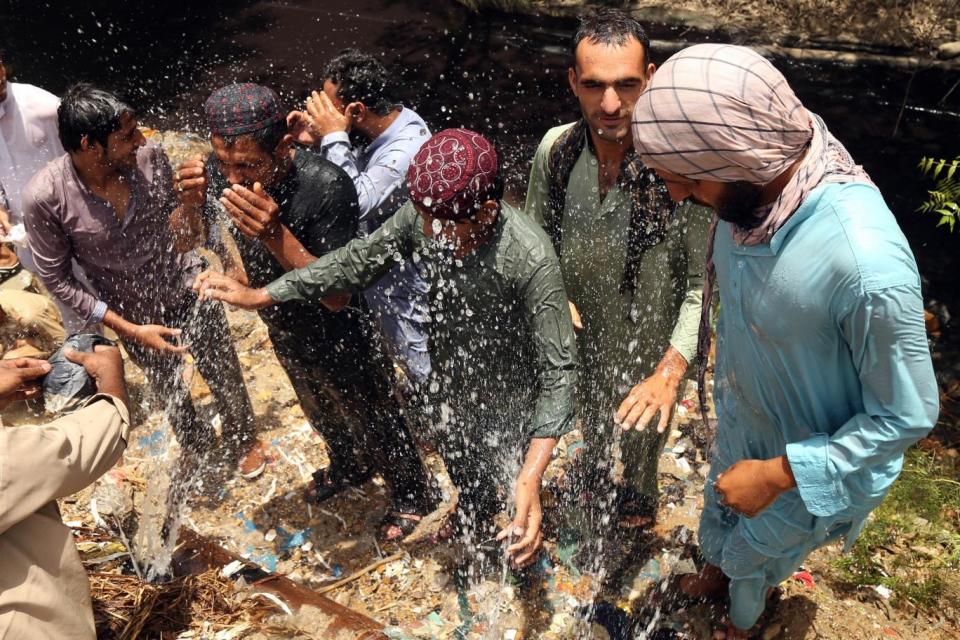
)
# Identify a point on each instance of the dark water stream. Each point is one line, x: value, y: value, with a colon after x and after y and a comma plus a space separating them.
x: 502, y: 75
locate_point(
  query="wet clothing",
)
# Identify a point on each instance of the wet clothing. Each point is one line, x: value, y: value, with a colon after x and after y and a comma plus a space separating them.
x: 44, y: 589
x: 130, y: 261
x: 28, y: 141
x: 205, y: 330
x: 341, y: 379
x: 824, y: 360
x: 30, y: 317
x: 624, y: 335
x: 378, y: 170
x: 138, y: 273
x: 502, y: 346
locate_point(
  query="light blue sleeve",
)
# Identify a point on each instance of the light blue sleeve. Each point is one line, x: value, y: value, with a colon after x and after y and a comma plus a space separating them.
x: 378, y: 179
x: 885, y: 332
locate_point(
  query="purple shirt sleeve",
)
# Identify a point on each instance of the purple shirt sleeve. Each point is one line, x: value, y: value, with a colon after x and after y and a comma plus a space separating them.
x: 53, y: 256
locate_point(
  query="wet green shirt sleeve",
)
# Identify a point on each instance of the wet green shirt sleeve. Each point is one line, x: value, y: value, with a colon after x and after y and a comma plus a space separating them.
x: 696, y: 227
x: 355, y: 266
x: 545, y: 305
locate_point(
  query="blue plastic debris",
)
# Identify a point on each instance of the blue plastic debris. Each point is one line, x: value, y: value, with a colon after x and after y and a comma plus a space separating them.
x: 435, y: 618
x: 337, y: 571
x: 266, y: 560
x: 287, y: 541
x: 651, y: 570
x: 153, y: 442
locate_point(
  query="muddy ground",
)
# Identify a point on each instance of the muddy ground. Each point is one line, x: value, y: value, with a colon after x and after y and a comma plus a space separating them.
x: 414, y: 595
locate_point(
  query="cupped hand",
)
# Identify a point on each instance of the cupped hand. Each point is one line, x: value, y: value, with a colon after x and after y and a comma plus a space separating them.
x: 20, y: 379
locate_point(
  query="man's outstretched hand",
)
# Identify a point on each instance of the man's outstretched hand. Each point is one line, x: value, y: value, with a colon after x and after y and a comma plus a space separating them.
x: 211, y: 285
x: 524, y: 532
x: 656, y: 394
x: 20, y: 379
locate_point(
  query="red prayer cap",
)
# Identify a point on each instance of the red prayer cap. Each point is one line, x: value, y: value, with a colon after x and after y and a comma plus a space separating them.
x: 454, y: 172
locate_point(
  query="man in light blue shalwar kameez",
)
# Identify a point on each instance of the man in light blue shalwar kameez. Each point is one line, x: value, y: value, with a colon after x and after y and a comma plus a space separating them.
x: 823, y: 373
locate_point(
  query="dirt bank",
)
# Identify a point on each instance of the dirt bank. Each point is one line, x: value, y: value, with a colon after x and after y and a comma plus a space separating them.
x: 885, y: 27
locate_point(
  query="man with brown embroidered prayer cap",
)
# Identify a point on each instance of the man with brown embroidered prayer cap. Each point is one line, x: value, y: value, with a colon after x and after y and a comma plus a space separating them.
x: 501, y: 389
x: 823, y: 373
x: 286, y: 207
x: 632, y: 262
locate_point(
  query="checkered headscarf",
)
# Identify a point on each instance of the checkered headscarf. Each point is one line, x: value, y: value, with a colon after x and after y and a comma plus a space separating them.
x: 722, y: 113
x: 242, y: 108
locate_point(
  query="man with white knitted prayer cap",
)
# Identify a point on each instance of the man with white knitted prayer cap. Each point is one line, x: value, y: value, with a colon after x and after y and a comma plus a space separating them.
x: 823, y: 374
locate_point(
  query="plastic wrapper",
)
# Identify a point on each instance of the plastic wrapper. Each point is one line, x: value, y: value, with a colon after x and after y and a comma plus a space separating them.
x: 68, y: 385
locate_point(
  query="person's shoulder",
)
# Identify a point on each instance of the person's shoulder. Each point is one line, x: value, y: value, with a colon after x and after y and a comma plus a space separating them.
x: 34, y: 101
x: 415, y: 124
x: 46, y: 185
x: 866, y: 237
x: 551, y: 136
x: 318, y: 172
x: 526, y: 236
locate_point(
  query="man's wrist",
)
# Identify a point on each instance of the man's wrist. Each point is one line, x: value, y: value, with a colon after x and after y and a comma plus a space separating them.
x: 264, y: 298
x: 672, y: 366
x: 779, y: 474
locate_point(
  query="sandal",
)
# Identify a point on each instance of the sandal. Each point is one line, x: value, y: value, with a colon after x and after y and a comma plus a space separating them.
x: 397, y: 525
x: 323, y: 486
x: 633, y: 505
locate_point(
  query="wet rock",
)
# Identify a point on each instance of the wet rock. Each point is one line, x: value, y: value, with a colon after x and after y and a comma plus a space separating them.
x: 114, y: 494
x: 949, y: 50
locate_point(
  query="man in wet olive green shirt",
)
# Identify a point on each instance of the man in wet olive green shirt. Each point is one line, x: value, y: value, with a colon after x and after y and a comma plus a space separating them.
x: 501, y: 339
x: 632, y: 263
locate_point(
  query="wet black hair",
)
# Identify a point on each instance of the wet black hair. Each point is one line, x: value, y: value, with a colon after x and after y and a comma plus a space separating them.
x: 360, y: 77
x: 87, y: 111
x: 267, y: 139
x: 3, y: 54
x: 610, y: 26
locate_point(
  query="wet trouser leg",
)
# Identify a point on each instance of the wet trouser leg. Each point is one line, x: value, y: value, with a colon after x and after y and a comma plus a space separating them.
x: 346, y: 397
x: 758, y: 554
x: 206, y: 330
x: 617, y: 465
x: 163, y: 373
x: 482, y: 463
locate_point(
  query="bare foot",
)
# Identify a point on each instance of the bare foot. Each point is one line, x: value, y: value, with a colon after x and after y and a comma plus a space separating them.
x: 709, y: 583
x: 731, y: 633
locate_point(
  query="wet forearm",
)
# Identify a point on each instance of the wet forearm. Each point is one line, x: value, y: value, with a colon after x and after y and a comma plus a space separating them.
x: 186, y: 224
x: 538, y: 457
x: 287, y: 249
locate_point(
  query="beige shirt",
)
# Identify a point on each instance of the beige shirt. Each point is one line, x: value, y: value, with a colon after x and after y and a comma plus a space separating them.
x: 31, y: 317
x: 44, y: 590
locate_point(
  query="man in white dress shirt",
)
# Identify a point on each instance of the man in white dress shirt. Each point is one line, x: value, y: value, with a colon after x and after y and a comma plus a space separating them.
x: 28, y: 141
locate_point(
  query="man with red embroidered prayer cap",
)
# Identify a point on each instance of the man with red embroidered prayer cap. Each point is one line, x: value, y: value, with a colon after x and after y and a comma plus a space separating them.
x: 502, y: 388
x: 823, y: 375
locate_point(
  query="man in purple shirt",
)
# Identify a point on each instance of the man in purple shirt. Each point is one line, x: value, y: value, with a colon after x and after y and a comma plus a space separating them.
x: 109, y: 204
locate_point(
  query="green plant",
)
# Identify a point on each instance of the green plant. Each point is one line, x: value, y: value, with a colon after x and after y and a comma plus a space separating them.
x: 945, y: 198
x: 911, y: 543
